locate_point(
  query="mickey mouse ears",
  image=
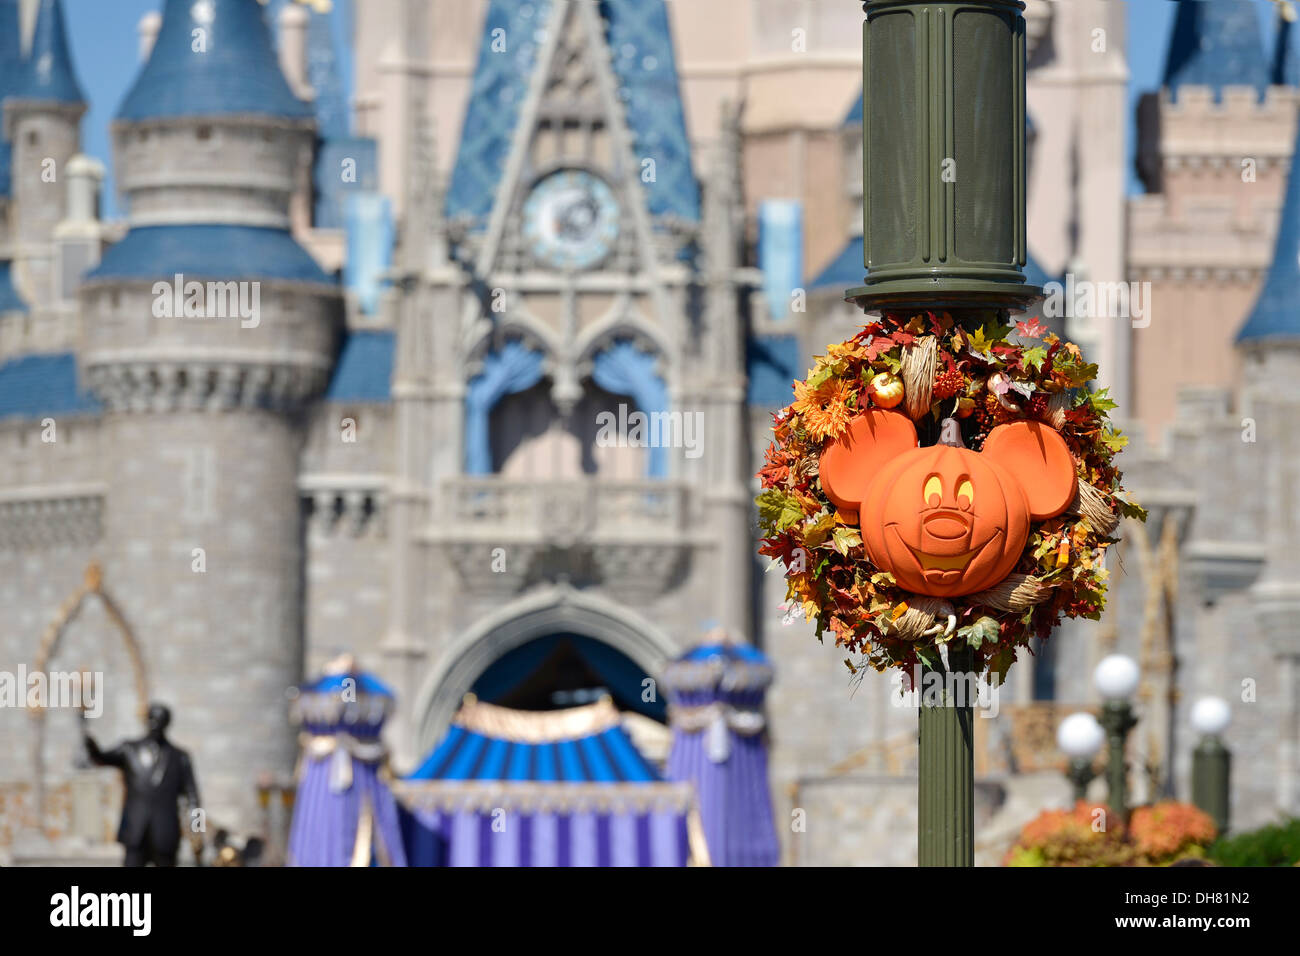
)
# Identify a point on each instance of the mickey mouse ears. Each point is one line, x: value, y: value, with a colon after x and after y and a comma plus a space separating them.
x: 850, y: 463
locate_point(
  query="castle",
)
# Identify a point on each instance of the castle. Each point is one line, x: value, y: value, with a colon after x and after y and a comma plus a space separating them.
x: 380, y: 421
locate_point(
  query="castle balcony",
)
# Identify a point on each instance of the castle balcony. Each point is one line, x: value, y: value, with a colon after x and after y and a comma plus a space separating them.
x: 503, y: 534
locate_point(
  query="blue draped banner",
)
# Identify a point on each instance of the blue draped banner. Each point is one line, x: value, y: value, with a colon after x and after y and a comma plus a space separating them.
x: 514, y: 368
x: 626, y: 370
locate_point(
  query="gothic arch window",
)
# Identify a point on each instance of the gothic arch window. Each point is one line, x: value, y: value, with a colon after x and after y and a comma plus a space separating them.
x: 617, y: 425
x: 531, y: 438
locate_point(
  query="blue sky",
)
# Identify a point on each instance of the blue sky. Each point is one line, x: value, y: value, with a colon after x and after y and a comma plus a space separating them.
x: 104, y: 41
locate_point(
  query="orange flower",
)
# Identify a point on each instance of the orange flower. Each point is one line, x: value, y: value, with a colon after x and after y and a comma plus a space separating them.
x: 824, y: 409
x: 1165, y: 829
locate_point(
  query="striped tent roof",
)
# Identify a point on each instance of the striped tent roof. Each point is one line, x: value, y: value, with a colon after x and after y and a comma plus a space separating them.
x: 577, y: 745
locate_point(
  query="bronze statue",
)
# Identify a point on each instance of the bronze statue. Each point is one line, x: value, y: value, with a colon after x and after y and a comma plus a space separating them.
x: 158, y: 775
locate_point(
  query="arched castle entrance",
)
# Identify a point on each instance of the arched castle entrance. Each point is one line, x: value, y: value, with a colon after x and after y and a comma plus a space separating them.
x: 539, y: 623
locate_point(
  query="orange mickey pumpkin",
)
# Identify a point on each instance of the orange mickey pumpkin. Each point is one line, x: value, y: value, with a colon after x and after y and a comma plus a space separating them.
x: 944, y: 520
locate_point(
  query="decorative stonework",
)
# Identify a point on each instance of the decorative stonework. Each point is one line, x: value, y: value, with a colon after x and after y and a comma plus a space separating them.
x: 352, y: 505
x: 51, y: 517
x: 171, y: 386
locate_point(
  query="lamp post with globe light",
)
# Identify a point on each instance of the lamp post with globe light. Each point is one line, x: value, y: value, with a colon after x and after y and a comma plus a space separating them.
x: 1211, y: 760
x: 1080, y: 738
x: 1116, y: 678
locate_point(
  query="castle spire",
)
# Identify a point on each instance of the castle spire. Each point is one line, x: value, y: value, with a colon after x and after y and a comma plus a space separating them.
x: 323, y: 73
x: 1276, y: 315
x: 48, y: 75
x: 11, y: 47
x: 1216, y: 43
x: 11, y: 64
x: 212, y: 58
x: 1285, y: 70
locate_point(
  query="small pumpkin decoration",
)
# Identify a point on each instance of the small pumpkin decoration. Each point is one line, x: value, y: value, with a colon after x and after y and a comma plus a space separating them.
x: 944, y: 520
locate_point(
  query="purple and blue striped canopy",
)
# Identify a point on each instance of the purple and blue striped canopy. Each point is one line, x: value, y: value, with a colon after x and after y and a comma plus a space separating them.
x: 557, y: 788
x: 607, y: 756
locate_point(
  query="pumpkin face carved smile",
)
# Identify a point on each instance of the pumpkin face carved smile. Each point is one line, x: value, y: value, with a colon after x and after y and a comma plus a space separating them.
x: 944, y: 520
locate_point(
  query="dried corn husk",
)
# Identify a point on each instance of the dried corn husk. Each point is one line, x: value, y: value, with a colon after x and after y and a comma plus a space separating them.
x: 922, y: 614
x: 1096, y: 507
x: 919, y: 363
x: 1016, y: 592
x: 1057, y: 406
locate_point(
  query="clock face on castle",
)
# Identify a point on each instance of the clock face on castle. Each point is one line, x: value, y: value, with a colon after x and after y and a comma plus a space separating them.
x: 570, y: 219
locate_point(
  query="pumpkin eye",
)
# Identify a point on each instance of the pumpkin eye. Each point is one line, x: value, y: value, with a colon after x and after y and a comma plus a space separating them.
x: 965, y: 490
x: 933, y: 490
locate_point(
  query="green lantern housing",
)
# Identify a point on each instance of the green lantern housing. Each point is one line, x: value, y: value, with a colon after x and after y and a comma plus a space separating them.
x: 944, y: 155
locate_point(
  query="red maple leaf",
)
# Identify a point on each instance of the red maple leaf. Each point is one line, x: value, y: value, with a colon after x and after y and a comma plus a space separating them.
x: 1033, y: 329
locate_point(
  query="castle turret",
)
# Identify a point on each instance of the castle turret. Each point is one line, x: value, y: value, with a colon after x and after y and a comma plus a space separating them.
x: 1269, y: 341
x: 11, y: 62
x: 208, y: 328
x: 1214, y: 148
x: 42, y: 121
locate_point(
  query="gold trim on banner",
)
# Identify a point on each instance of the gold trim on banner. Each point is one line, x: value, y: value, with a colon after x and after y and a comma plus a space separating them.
x: 365, y: 831
x: 536, y: 727
x: 528, y: 797
x: 699, y: 847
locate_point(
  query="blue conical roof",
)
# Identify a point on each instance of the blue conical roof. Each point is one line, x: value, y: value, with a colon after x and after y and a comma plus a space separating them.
x: 1216, y: 43
x: 234, y: 71
x: 323, y: 74
x: 48, y: 74
x: 1285, y: 70
x: 1277, y: 311
x: 11, y: 72
x: 11, y: 52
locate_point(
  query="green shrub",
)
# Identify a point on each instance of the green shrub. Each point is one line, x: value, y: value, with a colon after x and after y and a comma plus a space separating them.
x: 1275, y: 845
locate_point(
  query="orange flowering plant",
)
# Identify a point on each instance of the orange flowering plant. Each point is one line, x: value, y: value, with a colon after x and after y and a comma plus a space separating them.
x: 933, y: 368
x: 1169, y: 831
x: 1086, y: 835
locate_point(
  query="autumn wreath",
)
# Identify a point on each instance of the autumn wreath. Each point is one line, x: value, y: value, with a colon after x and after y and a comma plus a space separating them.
x: 937, y: 382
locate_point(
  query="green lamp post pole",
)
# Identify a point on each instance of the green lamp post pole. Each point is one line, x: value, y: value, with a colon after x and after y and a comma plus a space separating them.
x: 1116, y: 679
x: 1212, y: 761
x: 943, y: 197
x: 1118, y: 719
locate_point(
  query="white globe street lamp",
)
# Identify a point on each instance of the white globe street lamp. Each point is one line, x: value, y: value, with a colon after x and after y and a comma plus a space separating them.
x: 1116, y: 678
x: 1080, y: 738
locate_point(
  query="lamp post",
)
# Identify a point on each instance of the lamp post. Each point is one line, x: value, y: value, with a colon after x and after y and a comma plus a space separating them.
x: 1080, y: 738
x: 1116, y: 677
x: 1211, y: 760
x: 943, y: 227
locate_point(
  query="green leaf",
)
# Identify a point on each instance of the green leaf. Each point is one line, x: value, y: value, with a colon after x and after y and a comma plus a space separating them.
x: 1114, y: 440
x: 1131, y: 509
x: 1034, y: 358
x: 1102, y: 402
x: 1078, y: 373
x: 821, y: 374
x: 1002, y: 661
x: 778, y: 510
x: 983, y: 630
